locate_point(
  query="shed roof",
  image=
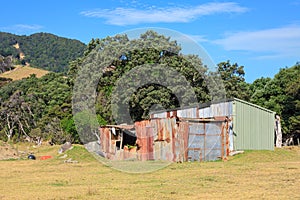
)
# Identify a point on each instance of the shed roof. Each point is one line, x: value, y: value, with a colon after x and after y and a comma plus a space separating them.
x: 126, y: 127
x: 208, y: 104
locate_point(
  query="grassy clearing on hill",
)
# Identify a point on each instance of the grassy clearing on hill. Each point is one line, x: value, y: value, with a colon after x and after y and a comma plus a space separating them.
x: 22, y: 72
x: 252, y: 175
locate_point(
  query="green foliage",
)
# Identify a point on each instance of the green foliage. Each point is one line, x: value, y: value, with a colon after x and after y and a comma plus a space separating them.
x: 7, y: 41
x: 38, y: 108
x: 144, y: 51
x: 42, y: 50
x: 4, y: 81
x: 280, y: 94
x: 6, y: 63
x: 233, y: 80
x: 42, y: 108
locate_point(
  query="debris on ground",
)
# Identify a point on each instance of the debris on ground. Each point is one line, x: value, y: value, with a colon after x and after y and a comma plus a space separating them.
x: 64, y: 156
x: 66, y: 146
x: 8, y: 152
x: 233, y: 153
x: 45, y: 157
x: 70, y: 161
x: 31, y: 157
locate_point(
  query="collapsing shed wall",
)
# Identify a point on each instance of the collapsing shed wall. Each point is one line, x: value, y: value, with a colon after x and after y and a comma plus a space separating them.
x: 168, y: 140
x: 162, y: 139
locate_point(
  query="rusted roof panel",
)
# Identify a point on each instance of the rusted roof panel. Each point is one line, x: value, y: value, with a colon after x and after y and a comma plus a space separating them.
x: 126, y: 127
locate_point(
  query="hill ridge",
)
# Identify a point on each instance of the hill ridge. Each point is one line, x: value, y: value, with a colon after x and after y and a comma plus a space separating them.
x: 41, y: 50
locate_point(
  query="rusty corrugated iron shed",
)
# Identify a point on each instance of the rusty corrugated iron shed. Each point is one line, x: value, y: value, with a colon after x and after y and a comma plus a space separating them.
x: 170, y: 140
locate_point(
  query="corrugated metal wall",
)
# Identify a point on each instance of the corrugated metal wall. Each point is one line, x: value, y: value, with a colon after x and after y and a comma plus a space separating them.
x: 145, y: 137
x: 162, y: 139
x: 253, y: 126
x: 207, y: 141
x: 213, y: 110
x: 218, y: 109
x: 184, y: 113
x: 107, y: 144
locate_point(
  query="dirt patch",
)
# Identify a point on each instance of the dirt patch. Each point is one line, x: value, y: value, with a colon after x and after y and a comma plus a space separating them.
x: 22, y: 72
x: 8, y: 152
x: 17, y: 46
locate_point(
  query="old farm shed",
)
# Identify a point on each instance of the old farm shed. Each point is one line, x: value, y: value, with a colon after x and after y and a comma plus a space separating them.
x: 207, y: 132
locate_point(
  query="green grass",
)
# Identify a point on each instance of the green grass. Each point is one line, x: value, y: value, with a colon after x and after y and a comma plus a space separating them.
x: 252, y: 175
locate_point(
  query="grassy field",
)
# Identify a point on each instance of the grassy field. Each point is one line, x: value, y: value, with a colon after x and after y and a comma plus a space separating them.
x: 252, y: 175
x: 22, y: 72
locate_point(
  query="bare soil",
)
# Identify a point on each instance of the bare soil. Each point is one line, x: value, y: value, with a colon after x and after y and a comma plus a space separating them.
x: 7, y: 151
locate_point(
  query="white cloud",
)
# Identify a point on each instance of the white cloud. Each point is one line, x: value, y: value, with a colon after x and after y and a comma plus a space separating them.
x: 22, y: 28
x: 130, y: 16
x: 283, y: 41
x: 28, y: 27
x: 199, y: 38
x: 295, y: 3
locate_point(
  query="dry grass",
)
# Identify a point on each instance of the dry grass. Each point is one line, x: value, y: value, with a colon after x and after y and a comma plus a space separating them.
x: 22, y: 72
x: 252, y: 175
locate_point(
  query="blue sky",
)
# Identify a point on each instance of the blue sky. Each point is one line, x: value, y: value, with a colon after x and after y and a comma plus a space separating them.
x: 263, y: 36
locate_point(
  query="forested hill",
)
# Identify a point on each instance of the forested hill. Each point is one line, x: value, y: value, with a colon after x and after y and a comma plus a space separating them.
x: 41, y: 50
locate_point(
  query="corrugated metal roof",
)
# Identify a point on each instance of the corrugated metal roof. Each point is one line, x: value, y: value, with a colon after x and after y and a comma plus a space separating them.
x: 127, y: 127
x: 253, y: 105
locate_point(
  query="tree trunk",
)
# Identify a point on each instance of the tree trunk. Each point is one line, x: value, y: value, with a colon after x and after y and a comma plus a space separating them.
x: 10, y: 129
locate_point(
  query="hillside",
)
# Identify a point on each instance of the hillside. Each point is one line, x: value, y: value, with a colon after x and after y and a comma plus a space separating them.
x: 6, y: 64
x: 41, y: 50
x: 23, y: 72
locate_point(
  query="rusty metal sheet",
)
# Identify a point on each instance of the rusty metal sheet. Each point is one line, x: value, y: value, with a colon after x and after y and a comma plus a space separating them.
x: 168, y: 140
x: 181, y: 142
x: 162, y: 139
x: 163, y: 130
x: 142, y: 133
x: 105, y: 141
x: 127, y: 127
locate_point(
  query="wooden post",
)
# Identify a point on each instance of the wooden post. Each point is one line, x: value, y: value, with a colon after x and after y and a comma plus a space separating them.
x: 278, y: 132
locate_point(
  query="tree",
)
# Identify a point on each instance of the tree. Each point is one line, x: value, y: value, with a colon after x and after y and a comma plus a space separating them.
x: 233, y: 80
x: 120, y: 57
x: 36, y: 108
x: 6, y: 63
x: 280, y: 94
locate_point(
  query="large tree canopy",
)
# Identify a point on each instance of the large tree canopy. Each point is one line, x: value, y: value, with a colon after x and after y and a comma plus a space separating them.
x: 151, y: 64
x: 281, y: 94
x: 118, y: 78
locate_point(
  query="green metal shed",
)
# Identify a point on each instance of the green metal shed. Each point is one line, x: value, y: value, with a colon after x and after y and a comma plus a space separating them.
x: 253, y: 126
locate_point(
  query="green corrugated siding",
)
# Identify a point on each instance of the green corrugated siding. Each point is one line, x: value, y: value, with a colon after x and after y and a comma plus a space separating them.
x: 253, y: 126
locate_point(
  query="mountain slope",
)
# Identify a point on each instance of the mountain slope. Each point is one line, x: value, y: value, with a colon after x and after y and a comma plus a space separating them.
x: 23, y: 72
x: 41, y: 50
